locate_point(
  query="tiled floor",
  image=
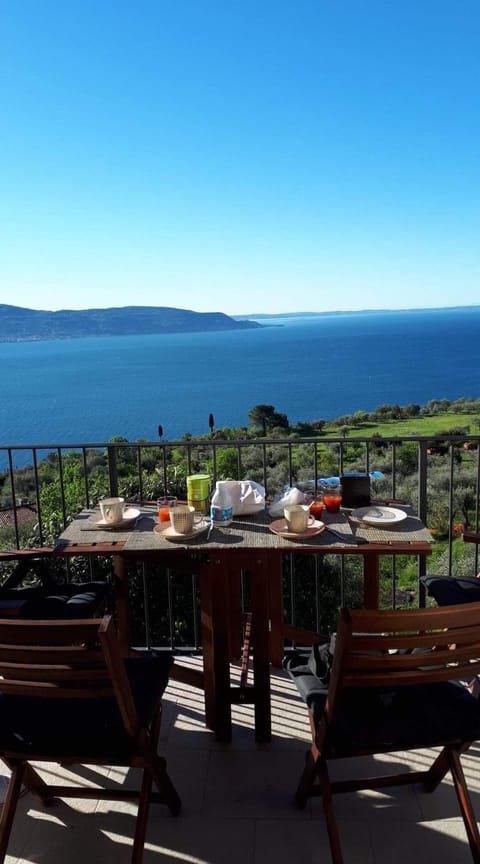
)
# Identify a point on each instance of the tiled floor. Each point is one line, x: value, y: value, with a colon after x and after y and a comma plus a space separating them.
x: 238, y: 807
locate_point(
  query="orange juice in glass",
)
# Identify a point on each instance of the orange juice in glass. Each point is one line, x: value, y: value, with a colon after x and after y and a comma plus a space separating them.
x: 332, y: 498
x: 317, y: 506
x: 163, y: 505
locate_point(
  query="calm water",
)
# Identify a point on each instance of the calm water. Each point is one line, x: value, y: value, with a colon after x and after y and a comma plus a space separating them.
x: 88, y: 390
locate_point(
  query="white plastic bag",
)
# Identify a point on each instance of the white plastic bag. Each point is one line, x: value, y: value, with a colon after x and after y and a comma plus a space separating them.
x: 291, y: 496
x: 247, y: 496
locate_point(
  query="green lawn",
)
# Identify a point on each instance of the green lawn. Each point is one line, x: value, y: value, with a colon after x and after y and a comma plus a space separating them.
x: 430, y: 425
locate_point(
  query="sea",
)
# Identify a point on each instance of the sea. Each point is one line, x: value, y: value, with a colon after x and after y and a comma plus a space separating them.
x: 308, y: 367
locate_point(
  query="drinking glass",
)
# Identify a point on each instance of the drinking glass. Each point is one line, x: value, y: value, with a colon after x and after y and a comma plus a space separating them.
x: 317, y: 506
x: 332, y: 498
x: 164, y: 505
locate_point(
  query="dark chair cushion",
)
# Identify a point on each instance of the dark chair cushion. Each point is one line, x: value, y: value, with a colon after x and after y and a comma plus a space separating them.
x: 311, y: 676
x: 72, y: 600
x: 419, y: 716
x: 450, y: 591
x: 403, y: 717
x: 81, y: 726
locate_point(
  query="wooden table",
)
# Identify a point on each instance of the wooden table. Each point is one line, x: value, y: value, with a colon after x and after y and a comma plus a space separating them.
x: 246, y: 545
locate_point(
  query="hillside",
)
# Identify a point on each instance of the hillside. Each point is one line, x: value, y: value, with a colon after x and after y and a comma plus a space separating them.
x: 29, y: 325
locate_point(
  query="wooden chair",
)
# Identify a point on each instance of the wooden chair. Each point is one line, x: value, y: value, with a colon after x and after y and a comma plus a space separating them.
x: 396, y: 684
x: 67, y: 696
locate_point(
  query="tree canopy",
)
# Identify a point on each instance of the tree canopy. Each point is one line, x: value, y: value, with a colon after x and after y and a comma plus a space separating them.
x: 266, y: 417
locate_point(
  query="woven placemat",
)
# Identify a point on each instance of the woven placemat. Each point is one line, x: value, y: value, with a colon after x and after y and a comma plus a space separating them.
x: 84, y: 529
x: 409, y: 530
x: 248, y: 532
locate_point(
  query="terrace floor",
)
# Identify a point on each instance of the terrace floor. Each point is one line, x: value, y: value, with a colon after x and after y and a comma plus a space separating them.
x: 238, y: 803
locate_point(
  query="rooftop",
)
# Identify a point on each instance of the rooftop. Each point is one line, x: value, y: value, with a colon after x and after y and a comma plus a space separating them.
x: 238, y: 803
x: 24, y: 512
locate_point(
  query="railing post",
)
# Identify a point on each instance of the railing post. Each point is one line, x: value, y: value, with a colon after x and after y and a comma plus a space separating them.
x: 62, y: 485
x: 422, y: 512
x: 290, y: 465
x: 14, y: 500
x: 112, y: 469
x: 450, y: 509
x: 422, y: 480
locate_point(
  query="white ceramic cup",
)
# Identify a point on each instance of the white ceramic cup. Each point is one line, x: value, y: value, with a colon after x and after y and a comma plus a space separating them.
x: 112, y: 509
x: 297, y: 517
x: 182, y: 517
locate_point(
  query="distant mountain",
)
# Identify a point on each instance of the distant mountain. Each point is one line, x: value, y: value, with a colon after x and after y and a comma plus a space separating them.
x: 30, y: 325
x: 343, y: 312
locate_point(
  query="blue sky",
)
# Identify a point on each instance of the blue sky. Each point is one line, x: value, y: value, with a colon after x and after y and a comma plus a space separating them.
x: 240, y: 156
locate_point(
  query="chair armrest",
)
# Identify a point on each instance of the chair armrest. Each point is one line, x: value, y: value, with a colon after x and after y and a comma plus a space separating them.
x: 19, y: 554
x: 471, y: 537
x: 26, y: 559
x: 302, y: 636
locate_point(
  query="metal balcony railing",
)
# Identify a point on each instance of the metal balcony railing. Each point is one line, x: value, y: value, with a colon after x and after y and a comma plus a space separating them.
x: 42, y: 486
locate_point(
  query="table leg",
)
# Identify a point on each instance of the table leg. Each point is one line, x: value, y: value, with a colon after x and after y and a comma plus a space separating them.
x: 275, y: 603
x: 261, y: 654
x: 214, y: 595
x: 215, y: 581
x: 120, y: 569
x: 235, y: 614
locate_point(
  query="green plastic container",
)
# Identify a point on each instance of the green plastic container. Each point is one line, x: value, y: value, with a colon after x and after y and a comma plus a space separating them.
x: 198, y: 492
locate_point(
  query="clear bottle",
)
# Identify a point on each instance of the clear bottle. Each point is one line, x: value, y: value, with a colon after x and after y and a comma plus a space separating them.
x: 221, y: 507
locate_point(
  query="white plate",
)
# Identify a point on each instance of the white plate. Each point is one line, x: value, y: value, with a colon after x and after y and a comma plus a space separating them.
x: 380, y: 516
x: 129, y: 516
x: 280, y: 527
x: 166, y: 530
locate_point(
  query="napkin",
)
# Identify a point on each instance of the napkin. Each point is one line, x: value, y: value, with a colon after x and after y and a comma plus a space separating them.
x: 290, y: 496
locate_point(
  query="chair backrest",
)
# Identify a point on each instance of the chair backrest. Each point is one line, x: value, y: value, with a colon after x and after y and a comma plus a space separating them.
x: 393, y: 649
x: 65, y: 660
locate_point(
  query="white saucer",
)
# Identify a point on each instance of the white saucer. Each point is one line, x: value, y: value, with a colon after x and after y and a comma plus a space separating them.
x: 129, y: 516
x: 381, y: 517
x: 280, y: 527
x: 165, y: 529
